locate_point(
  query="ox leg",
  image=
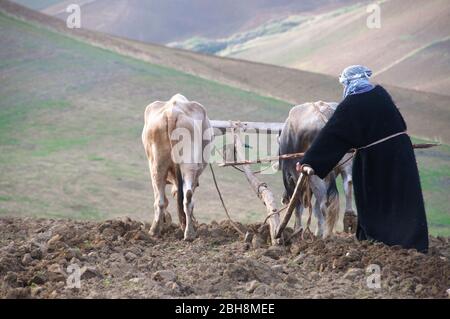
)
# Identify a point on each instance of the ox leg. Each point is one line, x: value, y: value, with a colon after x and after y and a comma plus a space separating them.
x: 350, y: 214
x: 298, y: 216
x: 348, y: 189
x: 188, y: 203
x: 319, y: 191
x: 332, y: 212
x: 167, y: 216
x: 160, y: 204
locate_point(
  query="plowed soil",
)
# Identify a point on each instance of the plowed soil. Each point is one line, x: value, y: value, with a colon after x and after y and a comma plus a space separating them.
x: 118, y: 259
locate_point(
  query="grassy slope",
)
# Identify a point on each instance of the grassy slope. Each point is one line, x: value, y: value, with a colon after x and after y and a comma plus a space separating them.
x: 70, y: 137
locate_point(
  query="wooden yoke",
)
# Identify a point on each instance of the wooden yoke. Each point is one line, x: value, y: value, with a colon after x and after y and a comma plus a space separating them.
x: 257, y: 127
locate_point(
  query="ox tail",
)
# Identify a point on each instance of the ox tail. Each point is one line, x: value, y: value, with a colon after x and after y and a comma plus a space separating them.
x: 180, y: 198
x: 332, y: 205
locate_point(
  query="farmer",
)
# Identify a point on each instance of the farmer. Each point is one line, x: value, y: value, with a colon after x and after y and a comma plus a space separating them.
x: 386, y: 180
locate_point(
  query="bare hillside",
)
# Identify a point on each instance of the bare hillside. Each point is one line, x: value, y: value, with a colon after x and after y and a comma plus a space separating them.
x: 427, y: 69
x: 328, y: 42
x: 171, y: 20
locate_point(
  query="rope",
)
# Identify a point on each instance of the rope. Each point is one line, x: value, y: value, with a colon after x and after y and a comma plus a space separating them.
x: 223, y: 203
x: 354, y: 151
x: 274, y: 213
x: 347, y: 160
x: 382, y: 140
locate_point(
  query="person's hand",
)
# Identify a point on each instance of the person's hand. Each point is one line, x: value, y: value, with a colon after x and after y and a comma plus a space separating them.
x: 305, y: 169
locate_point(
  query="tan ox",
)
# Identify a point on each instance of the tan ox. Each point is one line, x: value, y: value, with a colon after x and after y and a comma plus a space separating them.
x: 177, y: 162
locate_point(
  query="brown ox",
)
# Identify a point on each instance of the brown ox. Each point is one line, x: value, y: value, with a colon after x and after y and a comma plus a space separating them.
x: 179, y: 163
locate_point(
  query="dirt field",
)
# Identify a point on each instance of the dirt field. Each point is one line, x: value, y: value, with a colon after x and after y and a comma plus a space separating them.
x: 117, y: 259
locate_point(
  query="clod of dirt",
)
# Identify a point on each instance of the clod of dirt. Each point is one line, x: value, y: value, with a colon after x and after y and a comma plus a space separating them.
x: 251, y: 269
x: 275, y: 252
x: 353, y: 273
x: 257, y: 241
x: 251, y: 286
x: 19, y: 293
x: 39, y: 279
x: 55, y: 273
x: 88, y: 272
x: 262, y: 290
x: 300, y: 258
x: 36, y: 253
x: 10, y: 278
x: 54, y: 240
x: 27, y: 259
x: 164, y: 275
x: 129, y: 256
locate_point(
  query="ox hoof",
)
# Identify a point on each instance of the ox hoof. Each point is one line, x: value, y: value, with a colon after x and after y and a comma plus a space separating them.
x: 190, y: 236
x: 154, y: 232
x: 277, y: 242
x: 167, y: 220
x: 318, y: 233
x: 328, y: 235
x: 350, y: 222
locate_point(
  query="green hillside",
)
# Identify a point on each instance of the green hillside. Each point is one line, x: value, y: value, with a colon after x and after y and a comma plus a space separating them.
x: 70, y: 122
x: 71, y: 116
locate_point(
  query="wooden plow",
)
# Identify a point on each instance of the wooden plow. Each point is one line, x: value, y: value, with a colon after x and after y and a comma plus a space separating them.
x: 261, y: 189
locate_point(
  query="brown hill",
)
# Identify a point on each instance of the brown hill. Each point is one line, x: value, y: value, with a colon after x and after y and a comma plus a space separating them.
x: 427, y: 69
x: 411, y: 40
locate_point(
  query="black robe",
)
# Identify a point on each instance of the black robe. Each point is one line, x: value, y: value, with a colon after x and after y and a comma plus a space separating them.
x: 386, y: 182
